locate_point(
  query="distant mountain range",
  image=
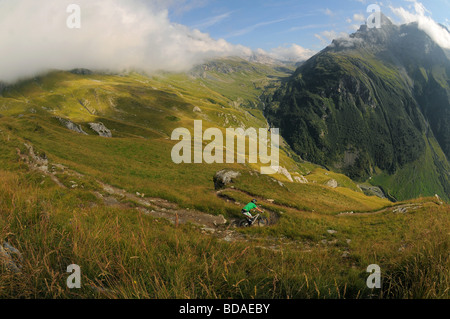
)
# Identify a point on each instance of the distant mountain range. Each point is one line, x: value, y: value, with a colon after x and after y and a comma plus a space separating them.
x: 375, y: 105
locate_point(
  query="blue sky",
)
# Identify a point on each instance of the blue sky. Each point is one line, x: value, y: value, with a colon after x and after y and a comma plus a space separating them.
x: 268, y: 24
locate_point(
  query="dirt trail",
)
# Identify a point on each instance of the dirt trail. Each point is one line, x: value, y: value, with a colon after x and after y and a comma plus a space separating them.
x: 273, y: 216
x: 38, y: 163
x: 161, y: 208
x: 402, y: 209
x: 399, y: 209
x: 155, y: 207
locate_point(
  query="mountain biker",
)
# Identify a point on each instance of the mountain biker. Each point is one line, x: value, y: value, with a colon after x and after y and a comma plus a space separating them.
x: 248, y: 208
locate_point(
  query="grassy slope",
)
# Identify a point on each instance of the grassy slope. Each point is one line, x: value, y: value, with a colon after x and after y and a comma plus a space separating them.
x: 134, y: 255
x: 138, y: 158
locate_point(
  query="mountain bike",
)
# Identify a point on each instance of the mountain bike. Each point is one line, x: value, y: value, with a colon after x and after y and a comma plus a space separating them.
x: 258, y: 220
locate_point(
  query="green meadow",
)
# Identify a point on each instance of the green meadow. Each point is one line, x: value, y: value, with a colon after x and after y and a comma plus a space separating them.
x: 319, y: 244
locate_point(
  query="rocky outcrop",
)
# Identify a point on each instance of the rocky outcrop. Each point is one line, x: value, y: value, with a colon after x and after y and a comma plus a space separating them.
x: 10, y: 257
x: 285, y: 172
x: 100, y: 129
x: 372, y: 191
x: 301, y: 179
x: 332, y: 183
x: 38, y: 161
x: 439, y: 199
x: 81, y: 71
x: 224, y: 177
x: 71, y: 126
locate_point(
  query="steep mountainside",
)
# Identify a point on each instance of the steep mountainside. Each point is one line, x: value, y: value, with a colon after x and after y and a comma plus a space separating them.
x: 375, y: 105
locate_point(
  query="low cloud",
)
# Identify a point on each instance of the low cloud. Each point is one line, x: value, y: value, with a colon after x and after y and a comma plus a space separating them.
x: 418, y: 14
x: 293, y: 53
x: 327, y: 36
x: 116, y: 35
x: 359, y: 17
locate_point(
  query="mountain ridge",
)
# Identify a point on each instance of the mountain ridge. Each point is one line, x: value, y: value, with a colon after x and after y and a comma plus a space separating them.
x: 365, y: 106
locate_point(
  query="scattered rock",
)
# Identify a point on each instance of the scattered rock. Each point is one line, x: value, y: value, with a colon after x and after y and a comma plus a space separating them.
x: 278, y: 182
x: 345, y: 254
x: 400, y: 210
x: 330, y: 231
x: 197, y: 109
x: 347, y: 213
x: 100, y: 129
x: 301, y: 179
x: 224, y: 177
x: 254, y: 173
x: 220, y: 221
x: 285, y: 172
x: 228, y: 238
x: 71, y: 126
x: 439, y: 199
x: 208, y: 230
x: 332, y: 183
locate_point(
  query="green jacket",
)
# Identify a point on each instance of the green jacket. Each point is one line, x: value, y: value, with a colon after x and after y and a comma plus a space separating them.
x: 250, y: 206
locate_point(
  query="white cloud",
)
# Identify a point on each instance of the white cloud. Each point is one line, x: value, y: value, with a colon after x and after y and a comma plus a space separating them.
x: 328, y: 36
x: 255, y: 26
x: 328, y: 12
x: 359, y: 18
x: 212, y: 21
x: 293, y: 53
x: 425, y: 22
x: 115, y: 35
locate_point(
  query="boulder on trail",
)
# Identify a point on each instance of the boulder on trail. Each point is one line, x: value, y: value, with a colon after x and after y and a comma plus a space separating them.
x: 224, y: 177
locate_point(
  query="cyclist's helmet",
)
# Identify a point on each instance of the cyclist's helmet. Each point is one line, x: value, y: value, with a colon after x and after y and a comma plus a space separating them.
x: 254, y: 201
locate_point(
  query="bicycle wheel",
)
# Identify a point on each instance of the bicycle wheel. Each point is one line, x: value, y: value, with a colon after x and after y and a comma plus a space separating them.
x: 262, y: 222
x: 244, y: 223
